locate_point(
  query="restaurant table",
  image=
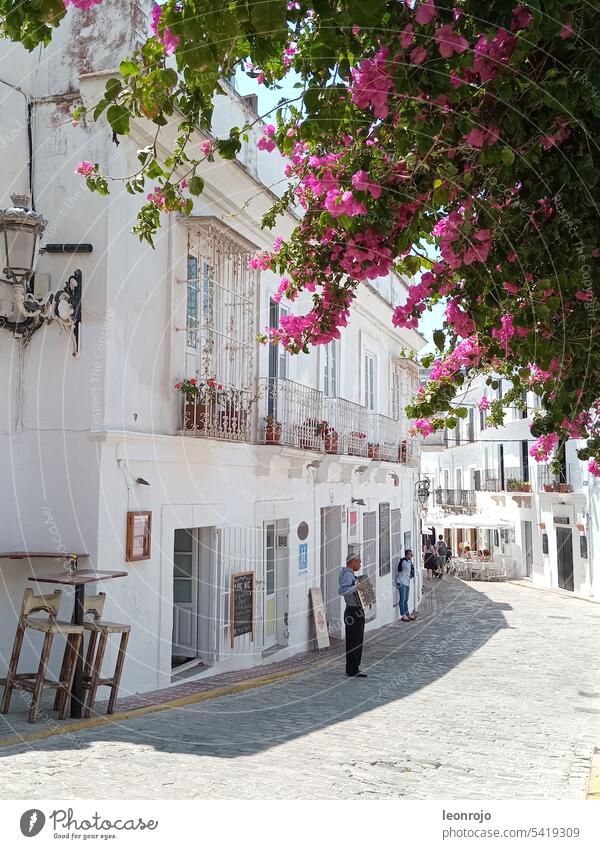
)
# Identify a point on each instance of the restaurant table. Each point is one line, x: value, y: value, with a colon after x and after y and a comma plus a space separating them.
x: 78, y: 580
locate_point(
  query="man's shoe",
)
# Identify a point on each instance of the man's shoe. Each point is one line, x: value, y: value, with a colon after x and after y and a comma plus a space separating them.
x: 357, y: 675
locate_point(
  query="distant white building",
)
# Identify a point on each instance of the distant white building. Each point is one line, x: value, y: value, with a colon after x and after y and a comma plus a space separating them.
x: 86, y: 441
x: 487, y: 492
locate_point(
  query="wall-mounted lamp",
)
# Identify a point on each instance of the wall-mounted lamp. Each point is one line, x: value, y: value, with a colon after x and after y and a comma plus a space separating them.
x: 360, y: 469
x: 314, y: 464
x: 142, y: 481
x: 359, y: 501
x: 422, y: 491
x: 21, y: 229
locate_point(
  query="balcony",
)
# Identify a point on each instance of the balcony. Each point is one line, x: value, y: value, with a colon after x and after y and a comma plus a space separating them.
x: 459, y: 500
x: 283, y: 412
x: 225, y: 413
x: 509, y: 479
x: 550, y: 481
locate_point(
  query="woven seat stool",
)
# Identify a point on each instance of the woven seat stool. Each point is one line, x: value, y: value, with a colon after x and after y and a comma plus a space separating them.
x: 92, y: 669
x: 50, y: 627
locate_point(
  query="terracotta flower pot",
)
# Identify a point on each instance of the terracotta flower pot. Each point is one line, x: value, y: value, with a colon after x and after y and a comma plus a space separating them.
x: 331, y: 441
x: 373, y: 451
x: 565, y: 487
x: 195, y: 416
x: 273, y: 434
x: 548, y: 487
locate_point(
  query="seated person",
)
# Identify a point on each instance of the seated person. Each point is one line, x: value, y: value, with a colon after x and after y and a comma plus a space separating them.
x: 467, y: 553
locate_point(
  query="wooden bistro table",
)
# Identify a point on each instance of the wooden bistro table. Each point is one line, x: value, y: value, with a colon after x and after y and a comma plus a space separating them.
x: 78, y: 580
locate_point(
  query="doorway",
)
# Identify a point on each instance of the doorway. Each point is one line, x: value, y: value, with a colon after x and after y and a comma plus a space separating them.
x: 194, y: 596
x: 527, y: 545
x: 564, y: 550
x: 331, y: 563
x: 275, y: 584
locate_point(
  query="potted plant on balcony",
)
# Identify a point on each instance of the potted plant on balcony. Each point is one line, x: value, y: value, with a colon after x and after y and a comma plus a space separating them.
x: 514, y: 485
x: 191, y: 392
x: 548, y: 487
x: 373, y: 451
x: 273, y: 431
x: 356, y: 443
x: 403, y: 452
x: 330, y: 437
x: 565, y: 487
x: 309, y: 434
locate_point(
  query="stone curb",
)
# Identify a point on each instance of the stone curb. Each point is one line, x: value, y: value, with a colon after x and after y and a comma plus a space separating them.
x: 121, y: 716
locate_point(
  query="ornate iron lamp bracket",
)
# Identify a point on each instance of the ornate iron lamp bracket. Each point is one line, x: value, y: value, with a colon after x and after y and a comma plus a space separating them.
x: 62, y: 307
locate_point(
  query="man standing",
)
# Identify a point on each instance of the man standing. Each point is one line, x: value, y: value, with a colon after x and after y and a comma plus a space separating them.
x: 354, y: 616
x: 442, y: 550
x: 404, y: 575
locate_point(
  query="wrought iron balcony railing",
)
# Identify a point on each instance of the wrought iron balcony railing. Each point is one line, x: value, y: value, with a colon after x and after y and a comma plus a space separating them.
x: 463, y: 498
x: 282, y: 412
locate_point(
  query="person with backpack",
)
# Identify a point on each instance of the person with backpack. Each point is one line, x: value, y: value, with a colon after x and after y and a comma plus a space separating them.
x: 404, y: 575
x: 442, y: 550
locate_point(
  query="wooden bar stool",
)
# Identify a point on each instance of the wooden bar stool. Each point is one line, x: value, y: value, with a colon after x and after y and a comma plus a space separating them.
x: 51, y: 627
x: 92, y: 668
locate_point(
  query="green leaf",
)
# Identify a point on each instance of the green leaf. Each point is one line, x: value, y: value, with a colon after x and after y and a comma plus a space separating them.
x: 118, y: 118
x: 196, y: 185
x: 507, y: 156
x: 113, y: 89
x: 128, y: 68
x: 439, y: 339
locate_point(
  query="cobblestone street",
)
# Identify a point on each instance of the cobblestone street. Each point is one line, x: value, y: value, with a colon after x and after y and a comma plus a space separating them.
x: 494, y: 694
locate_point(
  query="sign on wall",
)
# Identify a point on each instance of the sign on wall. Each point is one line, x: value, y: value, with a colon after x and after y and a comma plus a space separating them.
x: 242, y: 605
x: 302, y: 558
x: 319, y: 617
x: 352, y: 524
x: 139, y: 535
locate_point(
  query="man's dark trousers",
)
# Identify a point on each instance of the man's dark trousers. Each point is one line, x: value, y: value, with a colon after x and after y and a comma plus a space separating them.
x: 354, y: 620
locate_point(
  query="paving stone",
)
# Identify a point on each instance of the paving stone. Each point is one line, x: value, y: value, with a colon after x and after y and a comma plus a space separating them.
x: 479, y: 699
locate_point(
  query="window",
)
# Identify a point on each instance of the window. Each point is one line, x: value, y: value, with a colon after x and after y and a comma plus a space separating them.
x: 330, y: 369
x: 459, y: 478
x: 277, y: 354
x: 583, y: 547
x: 471, y: 431
x: 544, y: 543
x: 192, y: 301
x: 396, y: 526
x: 369, y: 381
x: 221, y: 305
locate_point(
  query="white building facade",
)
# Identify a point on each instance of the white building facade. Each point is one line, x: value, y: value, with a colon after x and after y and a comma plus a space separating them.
x: 488, y: 493
x: 246, y: 478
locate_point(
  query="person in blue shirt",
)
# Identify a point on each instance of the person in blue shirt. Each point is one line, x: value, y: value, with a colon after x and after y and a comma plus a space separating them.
x: 354, y: 616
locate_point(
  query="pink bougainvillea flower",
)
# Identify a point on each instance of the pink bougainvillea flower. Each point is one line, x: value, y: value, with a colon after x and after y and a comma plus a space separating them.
x: 266, y: 143
x: 418, y: 55
x: 407, y: 36
x: 512, y: 288
x: 584, y: 296
x: 566, y: 31
x: 449, y: 42
x: 522, y: 17
x: 168, y: 39
x: 84, y: 169
x: 206, y: 148
x: 484, y: 403
x: 425, y: 12
x: 543, y: 447
x: 594, y: 468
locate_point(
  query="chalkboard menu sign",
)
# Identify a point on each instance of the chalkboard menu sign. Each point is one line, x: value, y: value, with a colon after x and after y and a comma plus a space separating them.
x: 242, y: 604
x: 384, y: 539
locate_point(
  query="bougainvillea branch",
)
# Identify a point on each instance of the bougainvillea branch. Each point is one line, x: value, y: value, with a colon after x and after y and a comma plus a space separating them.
x: 453, y: 143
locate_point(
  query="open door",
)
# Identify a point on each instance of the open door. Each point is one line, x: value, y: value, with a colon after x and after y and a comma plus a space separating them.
x: 331, y: 563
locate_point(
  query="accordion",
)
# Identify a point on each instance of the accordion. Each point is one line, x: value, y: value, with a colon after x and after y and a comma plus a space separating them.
x: 365, y: 592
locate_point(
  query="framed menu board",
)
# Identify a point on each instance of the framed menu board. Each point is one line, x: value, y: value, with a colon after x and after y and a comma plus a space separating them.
x: 319, y: 618
x: 139, y: 535
x: 242, y: 605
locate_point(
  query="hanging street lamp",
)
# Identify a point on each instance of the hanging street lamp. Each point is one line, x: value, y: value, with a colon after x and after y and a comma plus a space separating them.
x: 20, y: 232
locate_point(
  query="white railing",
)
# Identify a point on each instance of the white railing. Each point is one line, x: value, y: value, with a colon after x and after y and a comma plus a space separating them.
x: 350, y: 422
x: 282, y: 412
x: 225, y: 413
x: 290, y: 414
